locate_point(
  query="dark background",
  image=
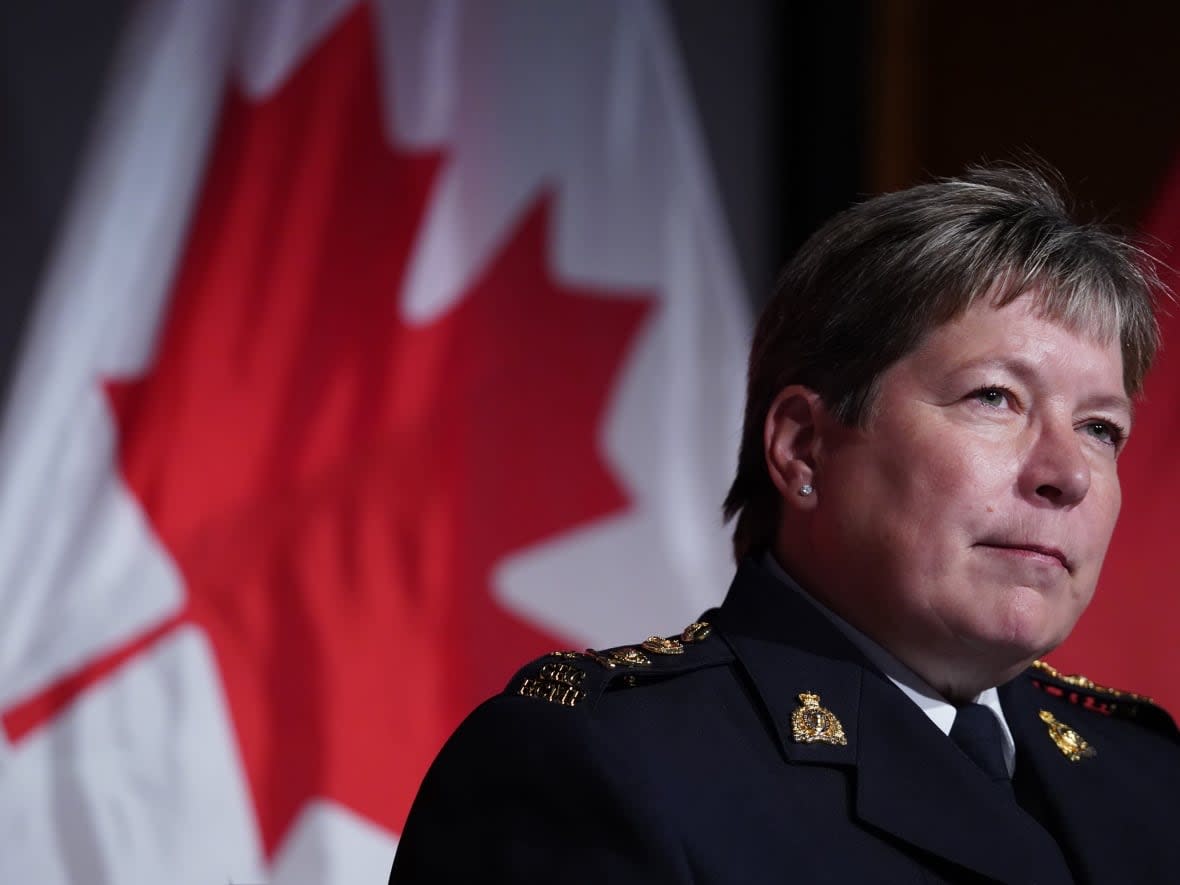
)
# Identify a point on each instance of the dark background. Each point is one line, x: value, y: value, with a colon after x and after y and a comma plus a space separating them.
x: 806, y: 107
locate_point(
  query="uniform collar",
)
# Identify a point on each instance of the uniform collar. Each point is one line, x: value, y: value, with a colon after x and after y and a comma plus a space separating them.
x: 940, y: 711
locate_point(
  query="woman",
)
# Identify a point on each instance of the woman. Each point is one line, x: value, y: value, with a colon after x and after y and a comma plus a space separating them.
x: 939, y: 392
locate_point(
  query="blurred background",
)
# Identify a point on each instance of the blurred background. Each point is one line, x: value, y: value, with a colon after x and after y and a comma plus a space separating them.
x: 352, y: 354
x: 804, y: 109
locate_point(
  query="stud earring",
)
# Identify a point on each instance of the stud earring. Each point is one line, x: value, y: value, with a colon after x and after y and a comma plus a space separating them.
x: 806, y: 489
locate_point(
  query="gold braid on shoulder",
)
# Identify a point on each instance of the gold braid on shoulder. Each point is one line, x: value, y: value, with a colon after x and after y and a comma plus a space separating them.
x: 1087, y: 684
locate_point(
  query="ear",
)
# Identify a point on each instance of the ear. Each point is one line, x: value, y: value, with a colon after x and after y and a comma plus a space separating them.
x: 789, y: 440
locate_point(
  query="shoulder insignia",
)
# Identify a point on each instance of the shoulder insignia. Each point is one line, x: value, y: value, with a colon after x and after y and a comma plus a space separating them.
x: 629, y: 657
x: 569, y: 678
x: 1082, y: 682
x: 556, y: 682
x: 1089, y: 695
x: 637, y: 656
x: 660, y: 646
x: 697, y: 631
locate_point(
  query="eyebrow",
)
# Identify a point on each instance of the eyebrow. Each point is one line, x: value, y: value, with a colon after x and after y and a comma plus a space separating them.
x: 1025, y: 371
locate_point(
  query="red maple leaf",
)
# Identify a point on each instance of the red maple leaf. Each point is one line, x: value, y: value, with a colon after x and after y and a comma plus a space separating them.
x: 333, y: 484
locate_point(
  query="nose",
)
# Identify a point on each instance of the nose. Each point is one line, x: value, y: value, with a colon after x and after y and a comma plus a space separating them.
x: 1057, y: 471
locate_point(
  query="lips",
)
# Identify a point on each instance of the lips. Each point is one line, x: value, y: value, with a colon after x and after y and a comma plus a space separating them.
x: 1032, y: 549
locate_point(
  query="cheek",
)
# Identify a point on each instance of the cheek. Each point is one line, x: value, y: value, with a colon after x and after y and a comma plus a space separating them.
x: 945, y: 479
x: 1104, y: 498
x: 1105, y: 501
x: 916, y: 490
x: 919, y: 507
x: 1114, y: 497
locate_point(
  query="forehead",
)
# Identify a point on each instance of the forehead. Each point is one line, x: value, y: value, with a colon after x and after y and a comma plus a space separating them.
x: 1023, y: 332
x: 1078, y: 308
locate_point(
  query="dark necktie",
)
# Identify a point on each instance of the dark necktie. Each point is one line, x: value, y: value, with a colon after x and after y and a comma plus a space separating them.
x: 977, y: 733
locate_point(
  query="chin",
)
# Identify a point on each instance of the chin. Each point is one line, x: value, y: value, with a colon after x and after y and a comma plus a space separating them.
x: 1030, y: 629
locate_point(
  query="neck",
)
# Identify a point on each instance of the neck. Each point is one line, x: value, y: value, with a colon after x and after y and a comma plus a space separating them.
x: 942, y: 667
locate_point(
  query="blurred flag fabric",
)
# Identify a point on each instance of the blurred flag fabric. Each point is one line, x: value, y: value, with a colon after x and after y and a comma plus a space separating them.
x: 1129, y: 638
x: 385, y: 346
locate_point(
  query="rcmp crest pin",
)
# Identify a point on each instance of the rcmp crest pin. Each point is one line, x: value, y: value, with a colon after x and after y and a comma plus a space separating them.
x: 813, y: 724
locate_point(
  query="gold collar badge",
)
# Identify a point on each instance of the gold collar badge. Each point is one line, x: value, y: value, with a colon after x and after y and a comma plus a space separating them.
x: 813, y: 724
x: 1072, y: 745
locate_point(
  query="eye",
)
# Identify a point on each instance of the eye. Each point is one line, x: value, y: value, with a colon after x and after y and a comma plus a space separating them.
x: 993, y: 395
x: 1107, y: 432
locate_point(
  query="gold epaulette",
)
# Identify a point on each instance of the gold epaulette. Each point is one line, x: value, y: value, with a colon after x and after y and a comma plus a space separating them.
x: 1083, y: 682
x: 559, y: 678
x: 1089, y: 695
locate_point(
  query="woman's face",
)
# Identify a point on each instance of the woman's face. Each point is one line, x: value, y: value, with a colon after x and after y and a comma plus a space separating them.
x: 966, y: 525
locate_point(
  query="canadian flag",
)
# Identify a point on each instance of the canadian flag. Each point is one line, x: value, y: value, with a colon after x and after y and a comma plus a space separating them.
x: 386, y: 346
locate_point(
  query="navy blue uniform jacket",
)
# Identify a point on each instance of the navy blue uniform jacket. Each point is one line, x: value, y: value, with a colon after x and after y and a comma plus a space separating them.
x: 686, y: 770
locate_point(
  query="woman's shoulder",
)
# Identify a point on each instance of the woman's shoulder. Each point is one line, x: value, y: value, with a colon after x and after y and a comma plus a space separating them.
x: 583, y: 681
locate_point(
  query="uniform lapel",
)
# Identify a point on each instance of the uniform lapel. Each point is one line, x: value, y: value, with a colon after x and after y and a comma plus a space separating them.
x: 914, y: 783
x: 911, y: 781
